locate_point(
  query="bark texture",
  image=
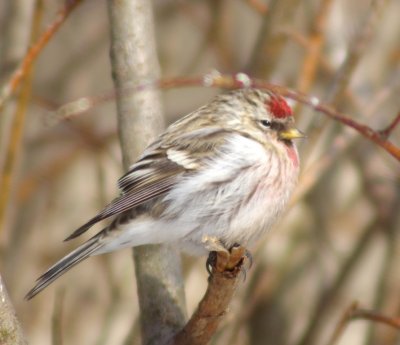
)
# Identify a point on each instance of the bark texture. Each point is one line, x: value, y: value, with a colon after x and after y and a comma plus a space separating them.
x: 10, y: 329
x: 212, y: 308
x: 140, y: 118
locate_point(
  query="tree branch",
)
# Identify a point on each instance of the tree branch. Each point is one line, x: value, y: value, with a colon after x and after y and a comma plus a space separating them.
x: 232, y: 82
x: 134, y: 61
x: 222, y: 285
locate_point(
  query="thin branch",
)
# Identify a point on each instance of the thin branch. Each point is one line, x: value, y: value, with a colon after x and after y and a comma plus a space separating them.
x: 17, y: 126
x: 375, y: 317
x: 213, y: 307
x: 23, y: 69
x: 342, y: 324
x: 327, y: 298
x: 354, y: 313
x: 385, y: 133
x: 240, y: 80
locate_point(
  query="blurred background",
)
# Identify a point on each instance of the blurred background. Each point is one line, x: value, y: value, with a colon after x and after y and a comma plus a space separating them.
x: 337, y: 244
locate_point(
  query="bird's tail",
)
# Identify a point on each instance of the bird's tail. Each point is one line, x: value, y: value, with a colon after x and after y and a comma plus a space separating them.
x: 66, y: 263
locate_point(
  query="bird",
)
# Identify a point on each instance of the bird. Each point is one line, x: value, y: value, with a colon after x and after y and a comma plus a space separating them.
x: 225, y: 171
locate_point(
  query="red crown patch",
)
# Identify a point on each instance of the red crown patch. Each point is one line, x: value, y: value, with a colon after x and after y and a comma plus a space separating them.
x: 279, y: 107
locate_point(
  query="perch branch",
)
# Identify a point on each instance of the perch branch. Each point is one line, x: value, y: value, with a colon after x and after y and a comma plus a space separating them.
x: 214, y: 305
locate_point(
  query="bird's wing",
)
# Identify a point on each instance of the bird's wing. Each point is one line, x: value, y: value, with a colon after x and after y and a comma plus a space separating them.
x: 160, y: 167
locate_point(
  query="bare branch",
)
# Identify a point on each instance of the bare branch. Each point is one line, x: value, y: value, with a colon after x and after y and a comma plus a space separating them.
x: 385, y: 133
x: 213, y: 307
x: 355, y: 313
x: 232, y: 82
x: 17, y: 126
x: 36, y: 48
x: 342, y: 324
x: 376, y: 317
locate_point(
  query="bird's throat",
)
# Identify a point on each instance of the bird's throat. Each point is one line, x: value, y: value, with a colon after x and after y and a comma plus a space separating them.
x: 293, y: 155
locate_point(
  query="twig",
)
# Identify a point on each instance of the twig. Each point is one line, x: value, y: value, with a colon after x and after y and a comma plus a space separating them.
x: 56, y: 166
x: 213, y: 307
x: 354, y: 313
x: 327, y: 298
x: 342, y: 324
x: 17, y: 126
x: 386, y: 205
x: 241, y: 80
x: 364, y: 130
x: 385, y: 133
x: 376, y: 317
x: 36, y: 48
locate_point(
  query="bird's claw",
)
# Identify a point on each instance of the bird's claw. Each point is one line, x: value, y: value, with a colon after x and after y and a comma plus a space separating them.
x: 210, y: 263
x: 227, y: 260
x: 247, y: 256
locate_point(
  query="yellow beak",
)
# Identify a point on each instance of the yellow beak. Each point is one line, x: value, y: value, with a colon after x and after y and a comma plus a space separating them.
x: 291, y: 133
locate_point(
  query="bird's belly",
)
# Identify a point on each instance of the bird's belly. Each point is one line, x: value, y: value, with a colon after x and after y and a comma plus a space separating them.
x: 242, y: 222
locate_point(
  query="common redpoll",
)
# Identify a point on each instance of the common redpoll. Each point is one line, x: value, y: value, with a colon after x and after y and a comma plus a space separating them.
x: 225, y: 171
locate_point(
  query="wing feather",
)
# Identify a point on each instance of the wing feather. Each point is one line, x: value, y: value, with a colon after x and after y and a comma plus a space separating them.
x: 155, y: 184
x: 156, y: 172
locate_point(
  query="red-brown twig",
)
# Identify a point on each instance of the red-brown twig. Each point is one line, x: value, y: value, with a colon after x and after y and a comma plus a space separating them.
x: 385, y: 133
x: 343, y: 322
x: 14, y: 144
x: 241, y: 80
x: 364, y: 130
x: 376, y: 317
x: 355, y: 313
x: 35, y: 49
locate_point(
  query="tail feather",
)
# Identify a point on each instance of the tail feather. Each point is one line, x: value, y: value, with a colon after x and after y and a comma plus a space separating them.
x: 65, y: 264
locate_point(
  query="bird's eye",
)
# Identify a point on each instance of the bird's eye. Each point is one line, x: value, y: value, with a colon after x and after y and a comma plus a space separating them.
x: 266, y: 123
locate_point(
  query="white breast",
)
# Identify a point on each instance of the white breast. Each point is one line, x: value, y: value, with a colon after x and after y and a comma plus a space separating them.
x: 238, y: 196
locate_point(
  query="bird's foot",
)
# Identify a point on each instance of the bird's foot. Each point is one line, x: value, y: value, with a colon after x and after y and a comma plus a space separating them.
x: 247, y: 258
x: 227, y: 261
